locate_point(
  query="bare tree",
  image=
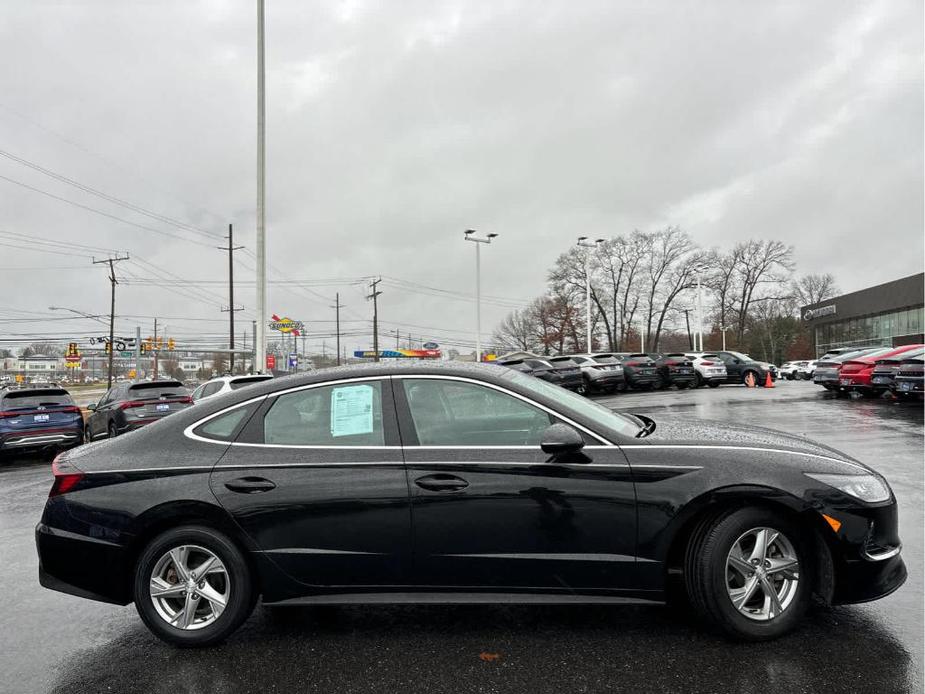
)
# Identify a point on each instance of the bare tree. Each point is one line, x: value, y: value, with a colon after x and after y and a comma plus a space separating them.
x: 518, y: 330
x: 759, y: 265
x: 811, y: 289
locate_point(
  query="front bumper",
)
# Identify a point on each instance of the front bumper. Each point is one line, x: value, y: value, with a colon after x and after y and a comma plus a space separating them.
x: 864, y: 580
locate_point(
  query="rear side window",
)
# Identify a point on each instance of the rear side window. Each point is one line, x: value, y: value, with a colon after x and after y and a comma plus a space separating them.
x: 225, y: 426
x: 36, y: 398
x: 210, y: 389
x: 341, y: 415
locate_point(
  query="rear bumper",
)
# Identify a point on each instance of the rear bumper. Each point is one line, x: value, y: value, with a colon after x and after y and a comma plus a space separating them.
x: 907, y: 385
x: 606, y: 379
x: 71, y: 563
x: 41, y: 438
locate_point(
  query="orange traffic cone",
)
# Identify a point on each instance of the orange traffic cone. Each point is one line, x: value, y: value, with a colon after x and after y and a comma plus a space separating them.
x: 768, y: 383
x: 750, y: 380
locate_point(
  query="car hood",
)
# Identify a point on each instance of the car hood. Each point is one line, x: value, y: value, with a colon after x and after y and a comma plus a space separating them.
x: 700, y: 432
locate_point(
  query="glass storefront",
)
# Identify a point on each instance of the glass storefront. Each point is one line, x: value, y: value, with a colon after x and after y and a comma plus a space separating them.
x: 874, y: 330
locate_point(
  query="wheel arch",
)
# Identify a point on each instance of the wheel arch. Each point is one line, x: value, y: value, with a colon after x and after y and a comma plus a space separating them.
x: 711, y: 505
x: 175, y: 514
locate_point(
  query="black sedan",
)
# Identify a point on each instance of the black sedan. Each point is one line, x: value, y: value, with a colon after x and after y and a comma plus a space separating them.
x: 459, y: 484
x: 739, y: 367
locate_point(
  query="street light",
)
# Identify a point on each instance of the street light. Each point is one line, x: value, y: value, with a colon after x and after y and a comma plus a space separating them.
x: 584, y: 243
x: 470, y: 235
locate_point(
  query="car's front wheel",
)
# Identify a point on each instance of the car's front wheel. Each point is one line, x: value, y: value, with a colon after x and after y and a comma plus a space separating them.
x: 748, y: 574
x: 193, y: 586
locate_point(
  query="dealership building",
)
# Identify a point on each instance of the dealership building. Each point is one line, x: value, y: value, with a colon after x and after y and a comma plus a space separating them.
x: 889, y: 314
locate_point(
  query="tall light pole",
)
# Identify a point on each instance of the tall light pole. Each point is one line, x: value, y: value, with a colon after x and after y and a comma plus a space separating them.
x: 470, y: 235
x: 260, y: 341
x: 700, y: 312
x: 588, y: 245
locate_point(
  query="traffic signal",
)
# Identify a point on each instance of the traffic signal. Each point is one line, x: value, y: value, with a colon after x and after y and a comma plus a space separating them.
x: 144, y: 347
x: 171, y: 344
x: 108, y: 348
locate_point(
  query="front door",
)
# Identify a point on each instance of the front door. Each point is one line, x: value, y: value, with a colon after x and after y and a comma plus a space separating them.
x: 316, y: 480
x: 491, y: 510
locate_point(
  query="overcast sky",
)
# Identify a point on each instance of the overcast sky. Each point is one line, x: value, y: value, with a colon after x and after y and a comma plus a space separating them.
x: 392, y: 127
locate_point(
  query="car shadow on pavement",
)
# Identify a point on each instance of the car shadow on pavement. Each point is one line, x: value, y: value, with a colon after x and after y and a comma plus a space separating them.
x: 500, y: 648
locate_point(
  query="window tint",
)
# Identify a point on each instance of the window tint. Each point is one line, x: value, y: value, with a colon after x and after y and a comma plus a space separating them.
x: 455, y: 413
x: 241, y: 382
x: 154, y: 391
x: 341, y: 415
x: 224, y: 426
x: 35, y: 398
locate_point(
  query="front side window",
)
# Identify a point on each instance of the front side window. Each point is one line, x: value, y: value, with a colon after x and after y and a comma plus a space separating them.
x: 349, y: 414
x: 456, y: 413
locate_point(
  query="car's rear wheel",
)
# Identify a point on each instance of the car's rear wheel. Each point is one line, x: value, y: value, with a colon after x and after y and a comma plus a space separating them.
x: 113, y: 432
x: 747, y: 573
x: 193, y: 586
x: 713, y: 384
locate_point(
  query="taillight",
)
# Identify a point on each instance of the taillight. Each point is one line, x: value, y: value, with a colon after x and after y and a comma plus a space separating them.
x: 4, y: 415
x: 708, y: 363
x: 132, y: 403
x: 72, y: 409
x: 187, y: 398
x: 66, y: 477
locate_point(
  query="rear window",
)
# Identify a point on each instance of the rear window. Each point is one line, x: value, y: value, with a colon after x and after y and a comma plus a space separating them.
x: 155, y: 391
x: 241, y: 382
x: 562, y: 361
x: 607, y: 359
x: 36, y: 398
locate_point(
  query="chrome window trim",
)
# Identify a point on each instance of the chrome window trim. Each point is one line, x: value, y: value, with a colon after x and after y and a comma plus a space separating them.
x: 188, y: 432
x: 464, y: 379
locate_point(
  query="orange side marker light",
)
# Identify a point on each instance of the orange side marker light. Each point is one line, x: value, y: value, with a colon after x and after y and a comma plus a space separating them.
x: 836, y: 524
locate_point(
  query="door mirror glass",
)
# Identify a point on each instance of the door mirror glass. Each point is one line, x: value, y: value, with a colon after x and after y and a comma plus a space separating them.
x: 561, y: 438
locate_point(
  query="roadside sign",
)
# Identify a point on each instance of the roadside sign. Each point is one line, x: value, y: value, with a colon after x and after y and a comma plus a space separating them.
x: 20, y: 378
x: 271, y: 361
x: 126, y: 355
x: 293, y: 360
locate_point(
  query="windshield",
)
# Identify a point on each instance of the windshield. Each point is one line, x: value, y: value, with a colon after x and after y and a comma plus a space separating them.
x: 623, y: 424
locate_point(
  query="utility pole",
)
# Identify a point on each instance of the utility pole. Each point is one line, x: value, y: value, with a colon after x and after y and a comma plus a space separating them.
x: 112, y: 306
x: 337, y: 307
x: 254, y: 348
x: 374, y: 296
x: 260, y: 351
x: 687, y: 321
x: 137, y: 352
x: 231, y: 308
x: 156, y: 351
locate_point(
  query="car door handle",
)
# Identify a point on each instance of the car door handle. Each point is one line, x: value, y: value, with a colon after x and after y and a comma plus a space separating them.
x: 250, y: 485
x: 441, y: 483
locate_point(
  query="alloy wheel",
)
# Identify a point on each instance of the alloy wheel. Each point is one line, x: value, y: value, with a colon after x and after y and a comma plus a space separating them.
x: 762, y: 574
x: 189, y: 587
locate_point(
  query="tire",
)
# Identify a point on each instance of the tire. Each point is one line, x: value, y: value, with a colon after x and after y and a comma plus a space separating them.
x: 714, y: 384
x: 230, y: 581
x: 113, y: 432
x: 698, y: 380
x: 709, y: 576
x: 87, y: 437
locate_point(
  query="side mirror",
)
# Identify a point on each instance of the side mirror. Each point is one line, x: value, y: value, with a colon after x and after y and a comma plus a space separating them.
x: 559, y: 438
x: 91, y: 406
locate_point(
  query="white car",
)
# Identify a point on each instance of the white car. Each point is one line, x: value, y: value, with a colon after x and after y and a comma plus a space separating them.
x: 709, y: 368
x: 226, y: 384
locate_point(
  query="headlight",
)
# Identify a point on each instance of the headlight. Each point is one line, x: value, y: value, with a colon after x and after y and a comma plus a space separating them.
x: 864, y: 487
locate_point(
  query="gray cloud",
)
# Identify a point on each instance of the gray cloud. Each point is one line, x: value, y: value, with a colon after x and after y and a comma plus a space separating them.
x: 394, y: 126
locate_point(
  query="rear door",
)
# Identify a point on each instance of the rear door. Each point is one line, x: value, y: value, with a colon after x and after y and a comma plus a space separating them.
x: 317, y: 480
x: 492, y: 511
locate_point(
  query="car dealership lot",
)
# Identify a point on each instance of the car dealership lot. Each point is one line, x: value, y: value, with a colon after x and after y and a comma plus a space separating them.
x: 62, y: 643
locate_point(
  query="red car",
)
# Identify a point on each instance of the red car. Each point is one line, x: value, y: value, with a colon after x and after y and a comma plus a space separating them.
x: 855, y: 374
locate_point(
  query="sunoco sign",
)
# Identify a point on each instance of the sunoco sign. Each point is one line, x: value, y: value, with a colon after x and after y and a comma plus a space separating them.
x: 812, y: 313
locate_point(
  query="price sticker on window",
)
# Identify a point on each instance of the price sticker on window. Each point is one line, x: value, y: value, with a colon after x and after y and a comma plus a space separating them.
x: 351, y: 410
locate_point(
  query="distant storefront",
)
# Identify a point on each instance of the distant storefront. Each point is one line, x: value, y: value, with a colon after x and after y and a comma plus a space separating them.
x: 890, y: 314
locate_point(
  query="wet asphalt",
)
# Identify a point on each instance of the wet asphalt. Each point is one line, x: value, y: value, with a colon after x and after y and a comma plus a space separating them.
x: 50, y: 642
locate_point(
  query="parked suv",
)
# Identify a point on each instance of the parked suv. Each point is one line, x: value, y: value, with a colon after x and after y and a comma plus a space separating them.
x: 709, y: 369
x: 639, y: 370
x: 226, y: 384
x: 565, y: 374
x: 885, y: 370
x: 739, y: 366
x: 36, y: 418
x: 908, y: 380
x: 601, y: 372
x: 675, y: 369
x: 128, y: 406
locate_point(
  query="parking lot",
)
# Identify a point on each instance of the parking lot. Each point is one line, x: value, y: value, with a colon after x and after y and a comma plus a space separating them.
x: 54, y: 642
